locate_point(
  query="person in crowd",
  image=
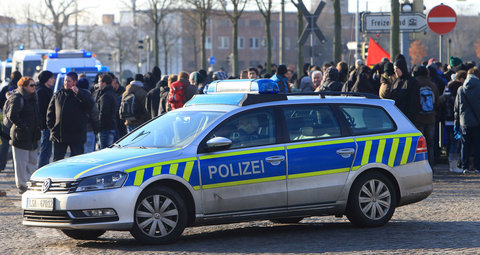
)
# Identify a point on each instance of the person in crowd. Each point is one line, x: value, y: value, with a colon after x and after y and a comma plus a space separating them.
x: 148, y: 82
x: 316, y: 79
x: 363, y: 83
x: 5, y: 131
x: 164, y: 104
x: 152, y: 101
x: 219, y: 75
x: 67, y: 117
x: 156, y: 74
x: 93, y: 125
x: 281, y: 79
x: 106, y: 101
x: 252, y: 73
x: 140, y: 113
x: 436, y: 78
x: 244, y: 74
x: 25, y: 131
x: 331, y: 82
x: 305, y: 83
x: 405, y: 91
x: 44, y: 91
x: 342, y: 68
x: 121, y: 129
x: 446, y: 114
x: 386, y: 81
x: 291, y: 82
x: 454, y: 65
x: 467, y: 120
x: 425, y: 121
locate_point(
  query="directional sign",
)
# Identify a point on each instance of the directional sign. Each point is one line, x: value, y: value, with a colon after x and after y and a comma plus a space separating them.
x: 442, y: 19
x: 380, y: 22
x: 312, y: 22
x: 212, y: 60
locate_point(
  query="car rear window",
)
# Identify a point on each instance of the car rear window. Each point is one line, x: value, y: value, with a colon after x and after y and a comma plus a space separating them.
x: 367, y: 119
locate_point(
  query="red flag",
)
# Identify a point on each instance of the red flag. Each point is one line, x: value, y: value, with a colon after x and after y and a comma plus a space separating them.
x: 375, y: 53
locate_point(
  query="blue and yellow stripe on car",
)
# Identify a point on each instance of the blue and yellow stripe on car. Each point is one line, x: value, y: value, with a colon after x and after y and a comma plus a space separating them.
x: 185, y: 168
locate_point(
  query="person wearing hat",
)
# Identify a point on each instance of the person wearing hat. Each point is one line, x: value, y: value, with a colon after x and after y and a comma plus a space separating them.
x: 386, y: 80
x: 405, y: 90
x: 454, y: 64
x: 425, y: 121
x: 44, y: 90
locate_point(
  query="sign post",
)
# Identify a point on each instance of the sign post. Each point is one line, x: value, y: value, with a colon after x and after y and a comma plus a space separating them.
x: 312, y: 27
x: 441, y: 20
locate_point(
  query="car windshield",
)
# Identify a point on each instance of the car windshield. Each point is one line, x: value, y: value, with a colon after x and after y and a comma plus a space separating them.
x: 174, y: 129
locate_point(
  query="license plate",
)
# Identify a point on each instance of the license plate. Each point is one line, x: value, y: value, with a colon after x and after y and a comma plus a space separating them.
x: 40, y: 204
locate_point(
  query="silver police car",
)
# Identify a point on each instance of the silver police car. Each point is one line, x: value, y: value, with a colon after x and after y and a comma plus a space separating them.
x: 239, y: 153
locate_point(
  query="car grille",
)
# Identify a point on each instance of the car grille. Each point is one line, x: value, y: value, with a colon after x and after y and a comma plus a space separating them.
x: 61, y: 187
x: 39, y: 216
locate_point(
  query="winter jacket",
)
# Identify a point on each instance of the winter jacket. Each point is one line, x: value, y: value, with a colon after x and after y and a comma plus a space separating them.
x: 467, y: 108
x: 152, y: 100
x: 386, y: 83
x: 190, y: 90
x: 282, y: 82
x: 67, y: 115
x: 136, y: 88
x: 25, y: 118
x: 44, y: 95
x: 428, y: 118
x: 106, y: 101
x: 163, y: 105
x: 306, y: 84
x: 331, y: 82
x: 12, y: 85
x: 406, y: 92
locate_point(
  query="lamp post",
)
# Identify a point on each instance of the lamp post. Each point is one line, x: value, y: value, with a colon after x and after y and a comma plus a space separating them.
x: 406, y: 6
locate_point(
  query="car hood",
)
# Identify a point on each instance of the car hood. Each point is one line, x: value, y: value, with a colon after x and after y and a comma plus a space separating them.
x: 104, y: 161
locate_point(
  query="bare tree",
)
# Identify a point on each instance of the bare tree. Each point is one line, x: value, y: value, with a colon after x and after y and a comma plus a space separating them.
x: 60, y: 13
x: 157, y: 11
x: 169, y: 36
x: 337, y: 38
x: 234, y: 16
x: 203, y: 10
x: 265, y: 8
x: 299, y: 34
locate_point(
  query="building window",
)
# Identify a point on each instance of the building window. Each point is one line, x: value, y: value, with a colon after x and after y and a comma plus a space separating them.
x: 254, y: 23
x: 208, y: 42
x: 223, y: 42
x: 241, y: 42
x: 254, y: 43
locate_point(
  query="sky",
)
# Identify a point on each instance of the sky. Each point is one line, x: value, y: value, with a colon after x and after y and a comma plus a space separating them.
x: 95, y: 8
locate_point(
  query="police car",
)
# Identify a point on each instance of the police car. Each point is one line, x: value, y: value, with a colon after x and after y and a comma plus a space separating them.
x: 240, y: 153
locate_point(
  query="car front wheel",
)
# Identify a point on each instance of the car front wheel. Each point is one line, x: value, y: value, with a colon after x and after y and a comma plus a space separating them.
x: 372, y: 201
x: 160, y: 216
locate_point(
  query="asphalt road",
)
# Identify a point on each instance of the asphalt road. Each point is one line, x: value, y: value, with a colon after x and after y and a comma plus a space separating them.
x: 446, y: 222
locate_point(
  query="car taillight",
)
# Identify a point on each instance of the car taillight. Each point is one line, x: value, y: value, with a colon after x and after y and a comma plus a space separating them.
x: 421, y: 145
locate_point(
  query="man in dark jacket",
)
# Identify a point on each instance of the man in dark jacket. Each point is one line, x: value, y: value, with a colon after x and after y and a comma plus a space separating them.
x: 152, y: 100
x: 107, y: 108
x: 67, y: 117
x: 44, y: 90
x: 331, y: 82
x: 405, y: 90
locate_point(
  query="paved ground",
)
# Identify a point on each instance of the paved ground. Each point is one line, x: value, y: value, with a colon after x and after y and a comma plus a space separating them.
x: 446, y: 222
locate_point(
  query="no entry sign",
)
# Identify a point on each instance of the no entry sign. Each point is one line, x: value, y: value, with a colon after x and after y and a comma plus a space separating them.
x: 442, y: 19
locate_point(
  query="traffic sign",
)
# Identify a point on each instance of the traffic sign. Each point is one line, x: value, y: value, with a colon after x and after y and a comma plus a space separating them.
x: 212, y: 60
x: 312, y: 26
x: 442, y: 19
x: 379, y: 22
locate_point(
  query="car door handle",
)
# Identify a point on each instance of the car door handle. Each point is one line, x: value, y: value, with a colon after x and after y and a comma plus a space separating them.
x: 275, y: 160
x: 346, y: 152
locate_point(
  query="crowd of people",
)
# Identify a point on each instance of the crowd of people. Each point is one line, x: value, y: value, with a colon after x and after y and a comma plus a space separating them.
x: 84, y: 117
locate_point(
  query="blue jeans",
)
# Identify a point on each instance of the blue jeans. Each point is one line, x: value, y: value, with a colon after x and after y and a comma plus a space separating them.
x: 130, y: 128
x: 89, y: 145
x: 106, y: 138
x: 470, y: 140
x: 45, y: 148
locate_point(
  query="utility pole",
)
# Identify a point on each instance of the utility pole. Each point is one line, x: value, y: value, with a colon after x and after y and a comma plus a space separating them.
x: 281, y: 41
x: 394, y: 29
x: 75, y: 42
x: 357, y: 32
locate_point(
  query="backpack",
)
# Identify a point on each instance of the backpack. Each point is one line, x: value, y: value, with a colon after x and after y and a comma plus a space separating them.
x: 176, y: 95
x: 10, y: 95
x: 427, y: 100
x: 127, y: 107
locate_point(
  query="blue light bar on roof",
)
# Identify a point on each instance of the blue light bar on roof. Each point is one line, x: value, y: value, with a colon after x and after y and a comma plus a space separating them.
x: 87, y: 54
x: 9, y: 60
x: 260, y: 86
x: 53, y: 55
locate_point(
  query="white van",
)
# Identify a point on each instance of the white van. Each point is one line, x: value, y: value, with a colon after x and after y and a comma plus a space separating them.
x: 5, y: 72
x: 26, y: 61
x: 55, y: 61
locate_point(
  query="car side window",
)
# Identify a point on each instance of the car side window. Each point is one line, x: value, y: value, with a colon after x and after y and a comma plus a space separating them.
x: 367, y: 119
x: 254, y: 128
x: 305, y: 122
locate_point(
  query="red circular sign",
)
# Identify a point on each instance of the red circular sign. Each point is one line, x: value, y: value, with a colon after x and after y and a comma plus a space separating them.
x: 442, y: 19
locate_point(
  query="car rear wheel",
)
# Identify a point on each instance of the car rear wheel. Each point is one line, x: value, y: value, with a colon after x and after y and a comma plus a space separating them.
x: 83, y: 234
x: 160, y: 216
x: 287, y: 220
x: 372, y: 201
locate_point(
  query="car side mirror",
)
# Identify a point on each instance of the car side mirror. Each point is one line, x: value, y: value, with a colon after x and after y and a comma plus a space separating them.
x: 218, y: 143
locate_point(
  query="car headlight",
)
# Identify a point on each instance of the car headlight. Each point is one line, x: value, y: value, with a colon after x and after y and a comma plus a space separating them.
x: 100, y: 182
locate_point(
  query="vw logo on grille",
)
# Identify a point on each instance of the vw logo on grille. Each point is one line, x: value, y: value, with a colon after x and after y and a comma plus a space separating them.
x: 46, y: 185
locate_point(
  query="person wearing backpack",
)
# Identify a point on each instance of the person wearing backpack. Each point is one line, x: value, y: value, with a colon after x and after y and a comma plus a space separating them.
x: 425, y: 121
x: 22, y: 111
x: 180, y: 91
x: 132, y: 106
